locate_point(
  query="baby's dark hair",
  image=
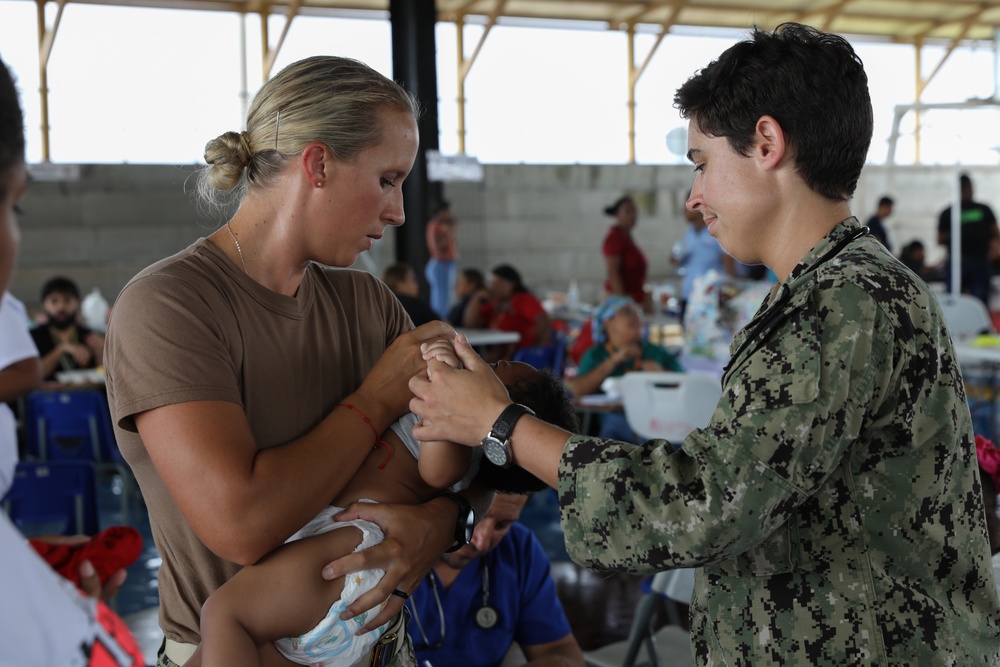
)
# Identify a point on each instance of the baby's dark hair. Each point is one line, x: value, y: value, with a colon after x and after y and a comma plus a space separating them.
x: 546, y: 395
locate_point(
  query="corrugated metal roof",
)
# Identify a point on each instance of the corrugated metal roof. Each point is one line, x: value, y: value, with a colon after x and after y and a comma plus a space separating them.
x: 906, y: 21
x: 901, y: 20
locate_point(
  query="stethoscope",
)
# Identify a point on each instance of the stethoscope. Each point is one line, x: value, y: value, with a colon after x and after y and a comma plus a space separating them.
x: 775, y: 312
x: 486, y: 616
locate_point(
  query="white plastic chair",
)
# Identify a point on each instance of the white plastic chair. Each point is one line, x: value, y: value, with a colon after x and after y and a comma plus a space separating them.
x: 966, y: 315
x: 668, y: 405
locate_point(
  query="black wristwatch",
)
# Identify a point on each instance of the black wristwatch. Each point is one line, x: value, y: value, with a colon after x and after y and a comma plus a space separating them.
x: 466, y: 522
x: 496, y: 445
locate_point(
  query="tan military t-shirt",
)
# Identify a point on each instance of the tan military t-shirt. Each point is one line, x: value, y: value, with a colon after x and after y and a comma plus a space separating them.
x: 193, y: 327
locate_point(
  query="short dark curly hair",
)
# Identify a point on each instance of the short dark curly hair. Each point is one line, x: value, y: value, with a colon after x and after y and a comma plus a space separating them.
x: 546, y: 395
x: 811, y: 82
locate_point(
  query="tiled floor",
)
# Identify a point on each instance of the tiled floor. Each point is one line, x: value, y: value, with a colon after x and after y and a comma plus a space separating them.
x: 599, y: 607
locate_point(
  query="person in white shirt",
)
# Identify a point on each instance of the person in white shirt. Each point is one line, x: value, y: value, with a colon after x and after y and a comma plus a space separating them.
x: 44, y: 620
x: 20, y: 372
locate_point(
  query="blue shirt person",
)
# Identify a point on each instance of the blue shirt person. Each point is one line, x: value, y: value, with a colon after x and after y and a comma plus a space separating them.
x: 486, y: 596
x: 702, y: 253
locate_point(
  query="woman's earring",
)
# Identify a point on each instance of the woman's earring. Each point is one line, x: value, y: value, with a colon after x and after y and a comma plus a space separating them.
x: 319, y: 184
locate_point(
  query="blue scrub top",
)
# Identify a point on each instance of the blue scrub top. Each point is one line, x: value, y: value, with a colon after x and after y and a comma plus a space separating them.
x: 521, y: 590
x: 702, y: 253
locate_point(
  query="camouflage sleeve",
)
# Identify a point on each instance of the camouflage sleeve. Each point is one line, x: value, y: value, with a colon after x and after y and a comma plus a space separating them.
x: 791, y: 407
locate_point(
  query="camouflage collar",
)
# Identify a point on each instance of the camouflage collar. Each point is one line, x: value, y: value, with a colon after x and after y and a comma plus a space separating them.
x: 819, y: 254
x: 778, y: 305
x: 824, y: 250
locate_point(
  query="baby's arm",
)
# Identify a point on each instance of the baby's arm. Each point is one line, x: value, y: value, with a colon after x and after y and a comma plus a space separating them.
x: 442, y: 463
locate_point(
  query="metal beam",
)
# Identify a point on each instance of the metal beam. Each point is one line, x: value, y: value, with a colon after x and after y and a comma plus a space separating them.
x: 271, y: 54
x: 902, y: 109
x: 465, y: 64
x: 967, y: 24
x: 831, y: 14
x: 922, y: 82
x: 944, y: 58
x: 46, y: 39
x: 635, y: 73
x: 918, y: 66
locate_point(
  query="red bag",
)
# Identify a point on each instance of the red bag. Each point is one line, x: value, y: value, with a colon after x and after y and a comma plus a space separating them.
x: 108, y: 551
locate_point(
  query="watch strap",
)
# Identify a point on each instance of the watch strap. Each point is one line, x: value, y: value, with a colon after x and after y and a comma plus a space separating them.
x: 504, y: 425
x: 465, y: 511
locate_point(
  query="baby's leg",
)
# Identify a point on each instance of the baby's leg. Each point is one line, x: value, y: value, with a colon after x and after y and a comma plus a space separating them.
x: 269, y: 656
x: 283, y: 595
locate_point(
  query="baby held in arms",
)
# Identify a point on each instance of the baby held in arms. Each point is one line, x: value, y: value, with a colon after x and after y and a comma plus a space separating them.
x: 280, y: 611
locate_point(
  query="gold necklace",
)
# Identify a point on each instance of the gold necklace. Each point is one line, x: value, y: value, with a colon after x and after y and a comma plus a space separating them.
x: 239, y: 250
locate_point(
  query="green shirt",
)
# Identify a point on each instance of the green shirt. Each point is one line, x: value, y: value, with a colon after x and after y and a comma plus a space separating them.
x: 598, y: 354
x: 833, y: 504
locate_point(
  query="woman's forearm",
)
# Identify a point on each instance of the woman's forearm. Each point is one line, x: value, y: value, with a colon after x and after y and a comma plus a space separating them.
x: 240, y: 501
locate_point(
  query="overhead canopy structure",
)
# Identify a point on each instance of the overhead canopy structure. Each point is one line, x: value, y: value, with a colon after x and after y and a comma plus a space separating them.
x: 908, y: 21
x: 902, y: 21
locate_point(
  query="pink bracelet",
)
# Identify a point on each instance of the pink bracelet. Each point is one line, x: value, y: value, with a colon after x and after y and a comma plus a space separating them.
x: 378, y: 440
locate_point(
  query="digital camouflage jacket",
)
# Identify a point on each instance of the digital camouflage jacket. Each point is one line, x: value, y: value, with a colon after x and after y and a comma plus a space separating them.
x: 833, y: 504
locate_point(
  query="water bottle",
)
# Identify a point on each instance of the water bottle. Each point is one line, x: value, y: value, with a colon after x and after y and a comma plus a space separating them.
x: 95, y: 310
x: 573, y: 296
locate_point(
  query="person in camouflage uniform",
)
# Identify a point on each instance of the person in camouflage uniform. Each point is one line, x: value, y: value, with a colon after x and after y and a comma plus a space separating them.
x: 833, y: 503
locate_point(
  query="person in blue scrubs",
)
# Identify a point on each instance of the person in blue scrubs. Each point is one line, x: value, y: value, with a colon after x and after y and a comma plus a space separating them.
x: 701, y: 254
x: 486, y: 596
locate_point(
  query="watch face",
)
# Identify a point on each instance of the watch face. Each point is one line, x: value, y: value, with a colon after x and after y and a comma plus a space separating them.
x: 495, y: 451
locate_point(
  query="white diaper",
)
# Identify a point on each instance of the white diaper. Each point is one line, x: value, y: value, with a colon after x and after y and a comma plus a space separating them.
x: 333, y: 641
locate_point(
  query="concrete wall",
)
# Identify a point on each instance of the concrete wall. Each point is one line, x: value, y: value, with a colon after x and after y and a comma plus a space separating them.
x: 547, y: 220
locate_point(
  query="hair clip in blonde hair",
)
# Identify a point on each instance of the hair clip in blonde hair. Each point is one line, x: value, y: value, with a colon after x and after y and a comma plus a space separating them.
x: 245, y: 144
x: 245, y: 147
x: 277, y: 124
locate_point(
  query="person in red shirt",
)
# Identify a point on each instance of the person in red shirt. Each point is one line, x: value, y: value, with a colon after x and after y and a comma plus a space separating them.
x: 511, y: 307
x: 625, y: 261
